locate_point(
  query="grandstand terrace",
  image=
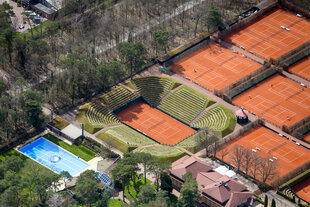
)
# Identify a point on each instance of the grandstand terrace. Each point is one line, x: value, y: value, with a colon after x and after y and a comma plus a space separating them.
x: 184, y: 104
x: 118, y: 97
x: 217, y: 119
x: 100, y: 116
x: 153, y: 88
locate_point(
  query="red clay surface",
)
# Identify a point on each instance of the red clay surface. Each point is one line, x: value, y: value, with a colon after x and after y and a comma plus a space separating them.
x: 301, y: 68
x: 266, y: 38
x: 303, y: 190
x: 215, y: 67
x: 155, y: 123
x: 278, y: 100
x: 289, y: 155
x: 307, y: 137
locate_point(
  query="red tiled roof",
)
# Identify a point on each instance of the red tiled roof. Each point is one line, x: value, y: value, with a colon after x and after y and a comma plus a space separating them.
x: 215, y: 185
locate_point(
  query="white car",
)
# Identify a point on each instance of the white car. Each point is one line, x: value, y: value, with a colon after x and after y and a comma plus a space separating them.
x: 21, y: 27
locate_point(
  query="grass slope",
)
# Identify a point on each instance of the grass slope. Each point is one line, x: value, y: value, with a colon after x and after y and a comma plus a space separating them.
x: 124, y: 138
x: 78, y: 150
x: 164, y: 153
x: 82, y: 119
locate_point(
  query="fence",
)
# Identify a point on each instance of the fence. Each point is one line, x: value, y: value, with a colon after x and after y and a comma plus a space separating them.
x: 293, y: 8
x: 291, y: 53
x: 302, y: 124
x: 246, y: 82
x: 247, y: 20
x: 190, y: 47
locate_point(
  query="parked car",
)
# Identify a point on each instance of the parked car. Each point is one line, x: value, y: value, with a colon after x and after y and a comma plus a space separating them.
x: 21, y: 27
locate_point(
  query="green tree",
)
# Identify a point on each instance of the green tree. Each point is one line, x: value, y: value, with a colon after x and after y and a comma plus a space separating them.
x: 3, y: 87
x: 160, y: 38
x: 214, y: 18
x: 146, y: 194
x: 145, y: 160
x: 32, y: 105
x: 166, y: 183
x: 86, y: 188
x: 266, y: 201
x: 273, y: 203
x: 133, y: 55
x: 189, y: 192
x: 123, y: 173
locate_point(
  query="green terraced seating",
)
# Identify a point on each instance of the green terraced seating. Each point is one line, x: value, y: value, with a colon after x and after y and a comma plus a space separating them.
x: 215, y: 119
x: 100, y: 116
x: 118, y: 97
x: 153, y: 89
x: 183, y: 105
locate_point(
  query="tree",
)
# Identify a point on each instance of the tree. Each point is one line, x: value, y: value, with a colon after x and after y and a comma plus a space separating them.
x: 256, y: 162
x: 133, y: 55
x: 266, y: 201
x: 214, y: 18
x: 3, y: 87
x: 157, y: 168
x: 160, y: 38
x: 247, y: 161
x: 205, y: 140
x: 237, y: 156
x: 166, y: 183
x: 273, y: 203
x: 189, y: 192
x: 123, y: 173
x: 223, y: 152
x: 144, y: 159
x: 146, y: 194
x: 86, y: 188
x: 268, y: 169
x: 32, y: 105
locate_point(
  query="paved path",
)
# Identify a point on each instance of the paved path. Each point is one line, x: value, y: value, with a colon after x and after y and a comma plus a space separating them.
x: 280, y: 201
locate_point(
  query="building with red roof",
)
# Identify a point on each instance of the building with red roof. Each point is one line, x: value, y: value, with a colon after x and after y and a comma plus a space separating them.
x: 216, y: 189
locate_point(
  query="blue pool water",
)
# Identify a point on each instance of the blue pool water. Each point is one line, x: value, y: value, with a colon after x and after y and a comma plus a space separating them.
x: 53, y: 156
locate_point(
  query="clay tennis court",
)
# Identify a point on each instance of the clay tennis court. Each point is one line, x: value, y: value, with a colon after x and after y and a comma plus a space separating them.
x: 277, y: 99
x: 301, y: 68
x: 303, y: 190
x: 289, y: 155
x: 214, y: 67
x: 268, y: 39
x: 155, y: 124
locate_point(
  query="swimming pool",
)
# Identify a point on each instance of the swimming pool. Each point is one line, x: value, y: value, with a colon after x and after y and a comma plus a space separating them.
x: 53, y: 156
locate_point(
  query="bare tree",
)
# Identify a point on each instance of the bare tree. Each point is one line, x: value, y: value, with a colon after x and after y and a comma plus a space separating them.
x: 247, y: 161
x: 223, y: 151
x: 268, y: 169
x: 256, y: 162
x: 206, y: 140
x: 237, y: 156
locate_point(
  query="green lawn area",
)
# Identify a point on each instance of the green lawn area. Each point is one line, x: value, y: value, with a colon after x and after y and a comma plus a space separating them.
x: 164, y: 153
x: 115, y: 203
x: 124, y: 138
x: 78, y: 150
x: 139, y: 183
x: 36, y: 31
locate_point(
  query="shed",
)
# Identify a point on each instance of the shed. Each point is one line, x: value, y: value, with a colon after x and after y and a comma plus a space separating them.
x: 71, y: 132
x: 242, y: 116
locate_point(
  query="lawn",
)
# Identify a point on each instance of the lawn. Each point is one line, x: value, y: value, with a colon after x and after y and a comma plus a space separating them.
x: 124, y: 138
x: 130, y: 187
x: 164, y: 153
x: 78, y: 150
x: 115, y: 203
